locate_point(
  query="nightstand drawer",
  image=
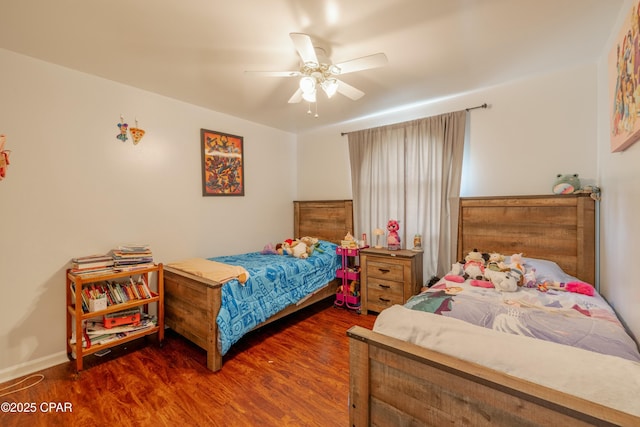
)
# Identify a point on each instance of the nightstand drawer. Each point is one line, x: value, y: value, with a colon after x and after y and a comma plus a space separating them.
x: 384, y: 293
x: 385, y: 270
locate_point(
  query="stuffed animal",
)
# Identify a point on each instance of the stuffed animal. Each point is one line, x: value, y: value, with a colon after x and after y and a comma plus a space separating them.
x: 456, y: 274
x: 393, y: 239
x: 284, y: 248
x: 269, y: 249
x: 311, y: 243
x: 354, y: 288
x: 457, y: 269
x: 530, y: 280
x: 581, y: 288
x: 474, y: 267
x: 295, y: 248
x: 517, y: 268
x: 592, y: 190
x: 566, y: 184
x: 299, y: 248
x: 577, y: 287
x: 496, y: 262
x: 504, y: 281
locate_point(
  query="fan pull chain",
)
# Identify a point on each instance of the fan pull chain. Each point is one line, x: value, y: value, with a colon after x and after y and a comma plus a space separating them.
x: 309, y: 110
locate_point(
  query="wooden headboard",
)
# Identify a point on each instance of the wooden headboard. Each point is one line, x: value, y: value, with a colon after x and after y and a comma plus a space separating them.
x: 560, y: 228
x: 328, y: 220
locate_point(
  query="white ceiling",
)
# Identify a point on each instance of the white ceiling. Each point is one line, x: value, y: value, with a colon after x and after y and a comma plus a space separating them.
x: 197, y: 50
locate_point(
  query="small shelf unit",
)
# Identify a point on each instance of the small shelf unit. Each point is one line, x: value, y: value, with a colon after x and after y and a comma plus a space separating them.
x: 348, y: 272
x: 76, y: 316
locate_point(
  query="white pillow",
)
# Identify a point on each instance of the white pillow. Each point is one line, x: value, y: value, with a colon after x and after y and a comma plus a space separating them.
x: 546, y: 270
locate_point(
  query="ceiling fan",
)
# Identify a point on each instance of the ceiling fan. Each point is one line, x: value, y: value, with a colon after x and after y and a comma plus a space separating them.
x: 317, y: 71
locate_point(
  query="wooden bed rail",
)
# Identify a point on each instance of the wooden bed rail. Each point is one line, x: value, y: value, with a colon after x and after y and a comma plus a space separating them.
x: 393, y: 382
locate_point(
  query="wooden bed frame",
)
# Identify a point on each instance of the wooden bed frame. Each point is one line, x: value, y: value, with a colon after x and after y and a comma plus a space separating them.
x: 393, y: 382
x: 192, y: 303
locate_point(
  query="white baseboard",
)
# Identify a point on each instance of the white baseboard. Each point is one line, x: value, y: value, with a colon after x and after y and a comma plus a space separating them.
x: 32, y: 366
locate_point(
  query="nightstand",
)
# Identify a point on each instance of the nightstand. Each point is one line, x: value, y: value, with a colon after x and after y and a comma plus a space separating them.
x: 388, y: 277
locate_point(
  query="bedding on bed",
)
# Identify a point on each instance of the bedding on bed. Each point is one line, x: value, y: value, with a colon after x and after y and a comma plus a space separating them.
x: 212, y: 270
x: 568, y: 369
x: 568, y: 318
x: 274, y: 282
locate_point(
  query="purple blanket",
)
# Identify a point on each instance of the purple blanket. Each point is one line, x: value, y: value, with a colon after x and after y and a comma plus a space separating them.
x: 568, y: 318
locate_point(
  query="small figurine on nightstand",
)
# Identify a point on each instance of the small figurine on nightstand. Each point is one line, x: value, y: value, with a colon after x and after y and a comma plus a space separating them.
x: 393, y: 239
x: 417, y: 243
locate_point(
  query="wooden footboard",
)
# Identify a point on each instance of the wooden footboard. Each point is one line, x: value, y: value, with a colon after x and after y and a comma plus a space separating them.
x: 192, y: 305
x: 393, y: 382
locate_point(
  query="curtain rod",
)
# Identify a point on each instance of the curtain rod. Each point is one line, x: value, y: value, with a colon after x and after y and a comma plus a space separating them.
x: 467, y: 109
x: 476, y: 107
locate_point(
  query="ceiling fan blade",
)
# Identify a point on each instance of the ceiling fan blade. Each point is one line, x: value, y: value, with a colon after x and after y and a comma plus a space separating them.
x: 304, y: 46
x: 274, y: 73
x: 349, y: 91
x: 363, y: 63
x: 297, y: 97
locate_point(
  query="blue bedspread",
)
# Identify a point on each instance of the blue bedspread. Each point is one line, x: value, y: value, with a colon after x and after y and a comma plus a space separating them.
x: 275, y: 282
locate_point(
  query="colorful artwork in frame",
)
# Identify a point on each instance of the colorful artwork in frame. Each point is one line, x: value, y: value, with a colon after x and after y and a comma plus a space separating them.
x: 624, y: 83
x: 222, y: 164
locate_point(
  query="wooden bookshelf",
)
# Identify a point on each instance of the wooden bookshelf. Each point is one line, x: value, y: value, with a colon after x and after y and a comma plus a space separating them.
x: 77, y: 316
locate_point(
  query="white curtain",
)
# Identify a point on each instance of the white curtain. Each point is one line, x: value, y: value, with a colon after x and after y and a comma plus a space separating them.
x: 411, y: 172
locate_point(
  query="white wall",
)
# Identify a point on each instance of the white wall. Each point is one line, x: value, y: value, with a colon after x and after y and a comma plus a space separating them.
x: 619, y: 174
x: 533, y: 129
x: 73, y: 189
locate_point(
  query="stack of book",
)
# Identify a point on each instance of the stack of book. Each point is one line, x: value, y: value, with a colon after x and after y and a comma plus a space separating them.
x: 96, y: 333
x: 114, y: 292
x: 91, y: 264
x: 132, y: 257
x: 122, y: 292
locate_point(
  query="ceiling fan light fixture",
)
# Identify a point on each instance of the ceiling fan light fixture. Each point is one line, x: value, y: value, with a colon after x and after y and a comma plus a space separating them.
x: 330, y: 87
x: 307, y: 84
x: 317, y: 70
x: 309, y: 96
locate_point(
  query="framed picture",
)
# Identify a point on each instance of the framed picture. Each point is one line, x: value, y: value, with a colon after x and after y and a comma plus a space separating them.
x: 624, y: 83
x: 222, y: 164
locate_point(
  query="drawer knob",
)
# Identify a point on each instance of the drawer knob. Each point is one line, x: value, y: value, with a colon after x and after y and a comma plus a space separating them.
x: 384, y: 300
x: 384, y: 286
x: 384, y: 270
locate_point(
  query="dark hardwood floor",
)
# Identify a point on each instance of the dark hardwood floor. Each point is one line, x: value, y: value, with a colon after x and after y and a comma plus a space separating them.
x: 293, y: 372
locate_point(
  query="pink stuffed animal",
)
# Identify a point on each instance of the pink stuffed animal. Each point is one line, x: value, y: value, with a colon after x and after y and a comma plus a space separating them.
x: 581, y: 288
x: 577, y: 287
x: 393, y: 239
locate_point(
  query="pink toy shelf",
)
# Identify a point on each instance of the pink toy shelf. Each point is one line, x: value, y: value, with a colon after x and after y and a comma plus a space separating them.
x: 348, y: 294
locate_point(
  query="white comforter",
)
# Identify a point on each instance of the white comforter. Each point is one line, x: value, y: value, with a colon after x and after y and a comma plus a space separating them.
x: 609, y: 380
